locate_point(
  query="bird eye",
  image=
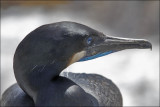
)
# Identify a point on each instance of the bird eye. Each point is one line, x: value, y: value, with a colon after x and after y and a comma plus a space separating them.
x: 89, y: 40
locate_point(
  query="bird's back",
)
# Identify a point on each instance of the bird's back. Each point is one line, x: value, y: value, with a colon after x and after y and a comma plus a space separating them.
x: 103, y: 89
x: 15, y: 96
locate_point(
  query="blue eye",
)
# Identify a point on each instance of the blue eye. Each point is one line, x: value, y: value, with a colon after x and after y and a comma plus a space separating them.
x: 89, y: 40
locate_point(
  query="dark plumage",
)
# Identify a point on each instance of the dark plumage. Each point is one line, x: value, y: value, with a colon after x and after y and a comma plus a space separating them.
x: 49, y: 49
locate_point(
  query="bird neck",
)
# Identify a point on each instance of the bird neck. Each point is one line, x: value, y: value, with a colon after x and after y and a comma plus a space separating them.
x: 35, y: 78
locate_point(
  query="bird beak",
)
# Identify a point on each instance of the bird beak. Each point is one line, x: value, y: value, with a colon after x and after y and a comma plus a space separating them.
x: 108, y: 45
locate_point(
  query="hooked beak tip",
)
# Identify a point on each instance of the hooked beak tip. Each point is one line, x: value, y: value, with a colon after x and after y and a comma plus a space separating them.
x: 146, y: 44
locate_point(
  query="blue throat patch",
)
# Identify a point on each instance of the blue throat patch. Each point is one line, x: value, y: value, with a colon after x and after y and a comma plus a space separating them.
x: 95, y: 56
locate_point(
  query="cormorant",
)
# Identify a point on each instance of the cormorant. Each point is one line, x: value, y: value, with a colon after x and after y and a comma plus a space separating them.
x: 49, y: 49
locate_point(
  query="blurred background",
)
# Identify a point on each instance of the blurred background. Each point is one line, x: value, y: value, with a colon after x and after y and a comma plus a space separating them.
x: 135, y: 72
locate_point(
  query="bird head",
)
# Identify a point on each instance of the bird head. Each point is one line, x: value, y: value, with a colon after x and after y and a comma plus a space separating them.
x: 49, y: 49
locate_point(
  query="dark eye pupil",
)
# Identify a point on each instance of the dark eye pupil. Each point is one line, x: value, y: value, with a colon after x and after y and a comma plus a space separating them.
x: 89, y: 40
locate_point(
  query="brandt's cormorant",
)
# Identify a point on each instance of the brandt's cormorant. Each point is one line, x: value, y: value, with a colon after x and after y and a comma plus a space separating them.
x: 48, y: 50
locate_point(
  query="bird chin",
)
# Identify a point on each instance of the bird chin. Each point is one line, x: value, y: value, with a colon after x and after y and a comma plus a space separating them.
x: 86, y: 58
